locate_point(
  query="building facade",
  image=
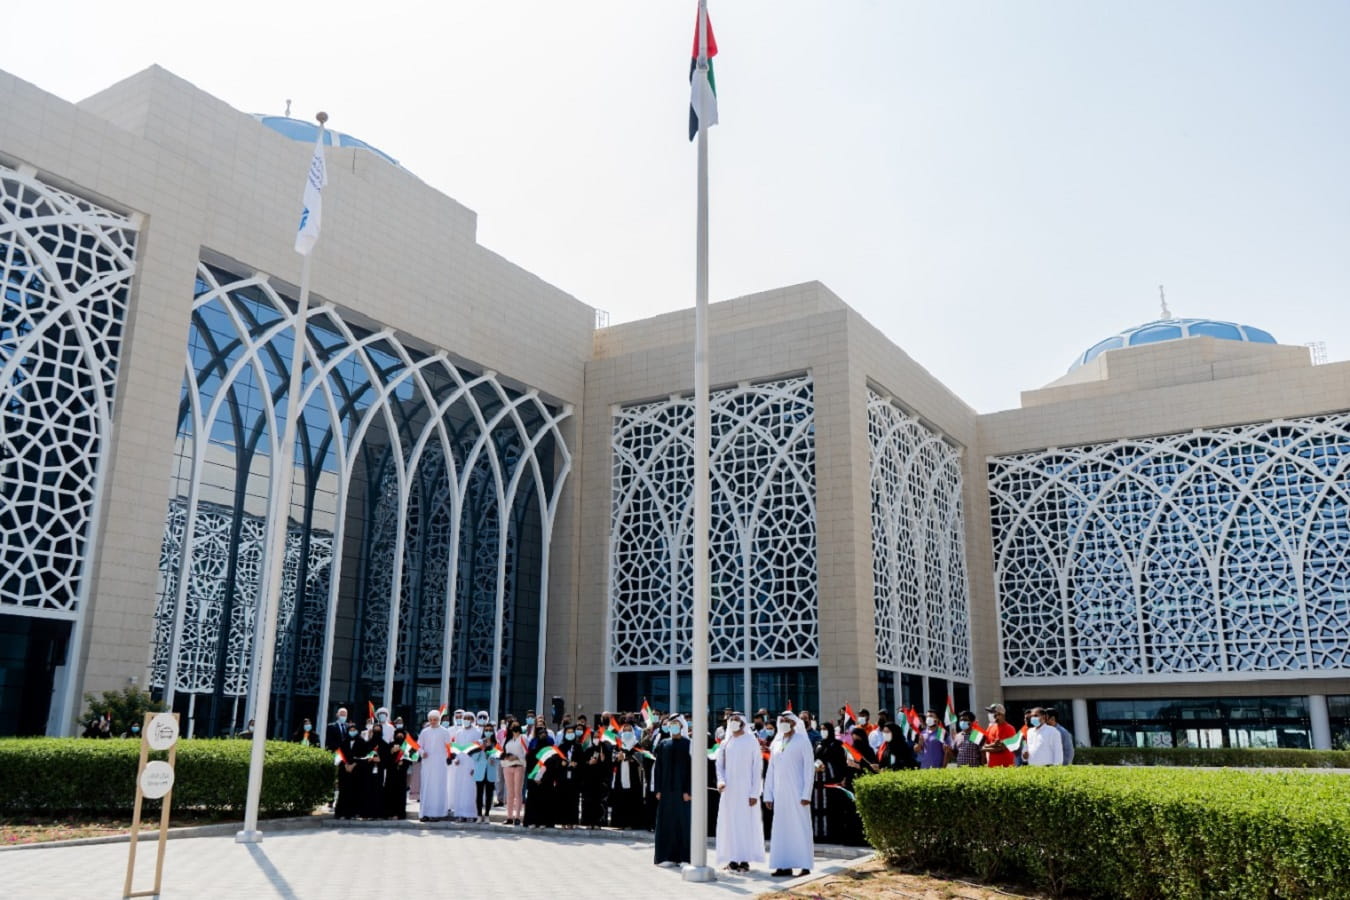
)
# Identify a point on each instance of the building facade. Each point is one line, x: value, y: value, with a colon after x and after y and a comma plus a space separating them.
x: 490, y: 501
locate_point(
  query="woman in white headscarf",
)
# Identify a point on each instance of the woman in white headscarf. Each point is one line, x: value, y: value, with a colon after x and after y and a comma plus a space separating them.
x: 787, y: 791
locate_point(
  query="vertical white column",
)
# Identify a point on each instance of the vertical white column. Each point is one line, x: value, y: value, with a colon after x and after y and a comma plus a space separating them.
x: 1320, y: 720
x: 1082, y: 730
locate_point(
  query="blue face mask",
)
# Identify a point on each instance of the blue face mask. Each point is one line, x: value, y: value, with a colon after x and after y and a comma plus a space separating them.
x: 135, y: 729
x: 964, y: 725
x: 351, y: 732
x: 308, y: 726
x: 342, y: 720
x: 1035, y: 721
x: 529, y: 720
x: 667, y: 729
x: 569, y: 734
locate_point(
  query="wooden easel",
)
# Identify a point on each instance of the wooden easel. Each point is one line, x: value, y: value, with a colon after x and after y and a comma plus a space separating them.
x: 136, y: 816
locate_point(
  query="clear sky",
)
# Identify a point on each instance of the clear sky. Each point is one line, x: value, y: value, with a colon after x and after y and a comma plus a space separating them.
x: 995, y: 185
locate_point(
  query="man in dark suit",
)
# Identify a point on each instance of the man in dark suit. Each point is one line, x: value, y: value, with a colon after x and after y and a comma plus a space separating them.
x: 336, y: 732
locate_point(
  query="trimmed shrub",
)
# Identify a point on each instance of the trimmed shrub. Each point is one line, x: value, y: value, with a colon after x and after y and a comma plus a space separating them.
x: 1120, y: 833
x: 1235, y: 757
x: 62, y: 775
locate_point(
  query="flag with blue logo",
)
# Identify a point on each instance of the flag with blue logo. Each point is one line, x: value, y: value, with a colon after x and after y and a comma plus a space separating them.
x: 308, y: 233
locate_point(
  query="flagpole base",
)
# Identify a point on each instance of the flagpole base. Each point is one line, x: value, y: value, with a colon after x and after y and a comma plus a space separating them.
x: 698, y: 874
x: 248, y: 836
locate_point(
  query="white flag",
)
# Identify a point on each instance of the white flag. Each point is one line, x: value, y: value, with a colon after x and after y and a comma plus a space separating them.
x: 308, y: 233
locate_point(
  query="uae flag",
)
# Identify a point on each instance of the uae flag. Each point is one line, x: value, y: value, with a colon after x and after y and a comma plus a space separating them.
x: 702, y: 90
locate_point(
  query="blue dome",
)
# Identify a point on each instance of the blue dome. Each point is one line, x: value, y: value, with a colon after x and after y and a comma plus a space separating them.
x: 300, y: 130
x: 1174, y: 330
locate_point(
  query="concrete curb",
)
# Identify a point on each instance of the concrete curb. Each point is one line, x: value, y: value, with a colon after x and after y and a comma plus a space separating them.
x: 218, y: 829
x: 496, y: 829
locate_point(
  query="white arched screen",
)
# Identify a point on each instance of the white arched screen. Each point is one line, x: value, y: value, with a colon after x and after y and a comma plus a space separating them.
x: 408, y: 469
x: 66, y: 267
x: 920, y: 590
x: 1216, y: 551
x: 762, y: 548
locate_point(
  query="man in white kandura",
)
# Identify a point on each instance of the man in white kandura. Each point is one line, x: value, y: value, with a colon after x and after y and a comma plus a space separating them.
x: 433, y: 799
x: 787, y: 791
x: 463, y: 792
x: 740, y: 825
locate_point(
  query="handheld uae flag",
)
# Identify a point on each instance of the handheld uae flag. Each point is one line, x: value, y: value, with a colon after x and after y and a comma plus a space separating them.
x: 840, y: 787
x: 1015, y: 740
x: 646, y: 754
x: 952, y: 721
x: 712, y: 751
x: 307, y: 235
x: 648, y: 717
x: 465, y: 748
x: 702, y: 84
x: 977, y: 735
x: 850, y: 717
x: 853, y: 752
x: 339, y: 757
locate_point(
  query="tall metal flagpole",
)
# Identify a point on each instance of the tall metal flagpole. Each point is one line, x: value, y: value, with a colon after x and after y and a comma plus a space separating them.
x: 278, y: 517
x: 698, y: 868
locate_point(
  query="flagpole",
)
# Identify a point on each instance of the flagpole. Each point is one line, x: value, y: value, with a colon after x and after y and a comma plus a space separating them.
x: 278, y: 518
x: 698, y: 869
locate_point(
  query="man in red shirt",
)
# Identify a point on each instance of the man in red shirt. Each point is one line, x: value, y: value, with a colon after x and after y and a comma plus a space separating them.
x: 998, y: 729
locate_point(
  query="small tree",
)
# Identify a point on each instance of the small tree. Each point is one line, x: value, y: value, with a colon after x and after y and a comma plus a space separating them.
x: 123, y: 708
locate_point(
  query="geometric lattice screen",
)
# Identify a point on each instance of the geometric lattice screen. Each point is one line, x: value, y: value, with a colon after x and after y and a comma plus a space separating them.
x: 1222, y: 550
x: 66, y: 267
x: 423, y: 504
x: 920, y: 590
x: 762, y: 550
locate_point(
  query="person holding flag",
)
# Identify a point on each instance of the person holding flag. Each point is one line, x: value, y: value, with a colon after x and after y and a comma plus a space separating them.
x: 931, y: 747
x: 895, y: 752
x: 433, y: 790
x: 543, y: 767
x: 999, y: 730
x: 348, y: 805
x: 398, y: 760
x: 966, y: 740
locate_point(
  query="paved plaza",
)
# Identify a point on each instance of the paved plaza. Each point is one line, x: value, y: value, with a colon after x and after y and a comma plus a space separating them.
x: 329, y: 862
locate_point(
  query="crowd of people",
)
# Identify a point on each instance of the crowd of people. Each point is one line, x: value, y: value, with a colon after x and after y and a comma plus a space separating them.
x: 789, y: 777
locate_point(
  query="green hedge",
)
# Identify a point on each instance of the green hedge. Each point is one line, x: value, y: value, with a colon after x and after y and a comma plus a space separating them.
x: 1236, y: 757
x: 63, y: 775
x: 1122, y: 833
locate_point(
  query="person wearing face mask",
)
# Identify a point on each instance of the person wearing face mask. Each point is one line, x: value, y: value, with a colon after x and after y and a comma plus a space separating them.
x: 463, y: 791
x: 740, y: 828
x: 306, y: 735
x: 349, y: 798
x: 894, y: 751
x: 386, y: 727
x: 514, y: 751
x: 628, y: 784
x: 596, y: 772
x: 433, y: 789
x: 485, y: 776
x: 1043, y: 747
x: 335, y: 731
x: 372, y: 754
x: 671, y: 779
x: 966, y: 741
x: 396, y: 768
x: 568, y: 794
x: 931, y: 746
x: 541, y: 787
x: 996, y: 755
x: 787, y: 791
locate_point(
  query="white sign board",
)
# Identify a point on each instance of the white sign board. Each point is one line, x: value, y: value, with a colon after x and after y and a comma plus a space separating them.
x: 163, y: 732
x: 156, y: 779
